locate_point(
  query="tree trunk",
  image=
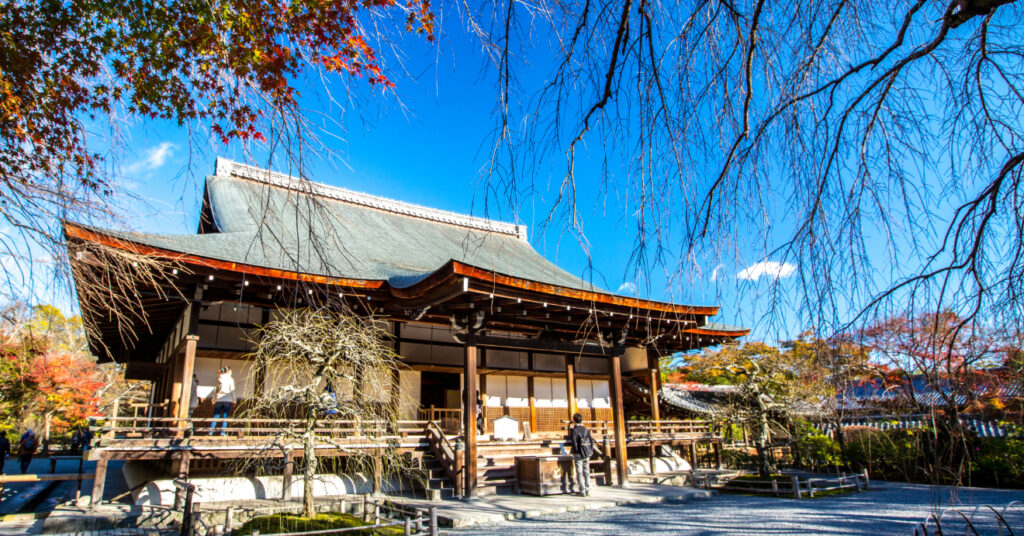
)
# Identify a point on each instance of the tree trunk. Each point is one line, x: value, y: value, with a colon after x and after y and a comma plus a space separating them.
x: 309, y: 468
x: 764, y: 465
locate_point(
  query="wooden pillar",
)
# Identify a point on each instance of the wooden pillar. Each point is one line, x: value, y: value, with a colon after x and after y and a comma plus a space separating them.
x: 469, y: 419
x: 655, y: 410
x: 655, y: 377
x: 483, y: 398
x: 187, y: 367
x: 176, y: 363
x: 620, y: 421
x: 533, y: 404
x: 286, y: 479
x: 570, y: 384
x: 99, y: 480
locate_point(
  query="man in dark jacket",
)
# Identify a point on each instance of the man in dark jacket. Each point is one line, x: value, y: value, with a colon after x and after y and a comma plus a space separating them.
x: 582, y: 444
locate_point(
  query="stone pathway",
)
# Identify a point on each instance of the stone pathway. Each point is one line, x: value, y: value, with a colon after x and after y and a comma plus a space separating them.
x: 891, y: 508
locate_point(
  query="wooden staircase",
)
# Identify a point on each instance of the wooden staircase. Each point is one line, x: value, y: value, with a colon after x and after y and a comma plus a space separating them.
x: 496, y: 464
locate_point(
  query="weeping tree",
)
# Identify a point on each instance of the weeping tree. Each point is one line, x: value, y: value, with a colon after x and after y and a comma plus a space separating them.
x: 330, y: 373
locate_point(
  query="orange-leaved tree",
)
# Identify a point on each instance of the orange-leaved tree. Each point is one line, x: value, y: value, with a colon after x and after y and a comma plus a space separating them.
x: 66, y: 389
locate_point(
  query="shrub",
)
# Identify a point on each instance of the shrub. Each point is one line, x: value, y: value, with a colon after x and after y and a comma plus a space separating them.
x: 280, y: 523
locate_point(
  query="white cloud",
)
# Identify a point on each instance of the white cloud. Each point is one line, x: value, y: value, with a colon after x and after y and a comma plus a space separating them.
x: 771, y: 269
x: 628, y: 287
x: 156, y: 157
x: 714, y: 273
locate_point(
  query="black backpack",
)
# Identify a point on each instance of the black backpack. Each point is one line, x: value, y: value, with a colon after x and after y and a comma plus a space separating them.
x: 585, y: 441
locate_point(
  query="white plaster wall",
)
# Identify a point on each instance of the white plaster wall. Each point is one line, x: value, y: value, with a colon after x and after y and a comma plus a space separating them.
x: 550, y: 393
x: 242, y: 371
x: 161, y: 491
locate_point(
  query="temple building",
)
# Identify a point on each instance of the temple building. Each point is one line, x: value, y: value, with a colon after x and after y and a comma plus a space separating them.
x: 469, y: 305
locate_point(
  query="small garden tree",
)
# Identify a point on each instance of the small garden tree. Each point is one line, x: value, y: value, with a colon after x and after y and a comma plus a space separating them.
x: 771, y: 385
x: 322, y: 366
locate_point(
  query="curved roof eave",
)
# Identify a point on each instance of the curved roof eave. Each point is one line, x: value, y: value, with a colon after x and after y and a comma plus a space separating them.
x: 442, y: 275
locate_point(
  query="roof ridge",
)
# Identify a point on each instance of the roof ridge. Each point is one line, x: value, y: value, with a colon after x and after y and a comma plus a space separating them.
x: 229, y: 168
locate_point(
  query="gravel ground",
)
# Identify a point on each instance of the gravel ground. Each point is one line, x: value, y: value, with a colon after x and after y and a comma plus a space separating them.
x: 890, y: 508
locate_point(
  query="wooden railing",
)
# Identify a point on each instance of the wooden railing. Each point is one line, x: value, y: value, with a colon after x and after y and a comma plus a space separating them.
x: 449, y: 419
x: 597, y: 429
x: 349, y: 433
x: 669, y: 430
x: 447, y: 455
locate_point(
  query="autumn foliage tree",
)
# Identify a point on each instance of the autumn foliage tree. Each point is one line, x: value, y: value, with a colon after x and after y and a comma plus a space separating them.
x: 73, y: 70
x: 939, y: 363
x: 66, y: 389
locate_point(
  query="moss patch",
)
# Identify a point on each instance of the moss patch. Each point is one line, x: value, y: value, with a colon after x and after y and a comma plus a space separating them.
x: 282, y: 523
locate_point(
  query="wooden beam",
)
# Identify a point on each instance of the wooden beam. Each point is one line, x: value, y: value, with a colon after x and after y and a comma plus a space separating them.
x: 533, y: 404
x: 188, y: 365
x: 555, y: 347
x: 99, y: 481
x: 469, y: 419
x: 570, y: 384
x: 655, y: 410
x: 620, y: 422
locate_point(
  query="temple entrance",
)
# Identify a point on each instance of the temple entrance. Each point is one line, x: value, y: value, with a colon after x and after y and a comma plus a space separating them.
x: 440, y: 396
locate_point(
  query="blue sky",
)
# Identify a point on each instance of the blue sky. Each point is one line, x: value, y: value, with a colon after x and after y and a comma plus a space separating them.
x: 429, y: 143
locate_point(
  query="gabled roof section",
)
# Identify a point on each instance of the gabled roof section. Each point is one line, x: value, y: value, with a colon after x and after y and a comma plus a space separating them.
x: 229, y: 168
x: 271, y: 220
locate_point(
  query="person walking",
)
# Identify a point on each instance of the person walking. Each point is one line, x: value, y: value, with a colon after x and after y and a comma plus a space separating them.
x: 582, y: 444
x: 26, y: 448
x: 5, y: 450
x: 224, y: 398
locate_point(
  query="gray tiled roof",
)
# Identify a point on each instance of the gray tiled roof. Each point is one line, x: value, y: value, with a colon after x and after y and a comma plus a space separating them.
x: 271, y: 220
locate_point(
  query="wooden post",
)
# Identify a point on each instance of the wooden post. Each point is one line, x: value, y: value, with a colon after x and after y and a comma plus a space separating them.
x: 483, y: 399
x: 187, y: 368
x: 366, y: 507
x: 620, y: 421
x: 176, y: 363
x: 718, y: 454
x: 469, y: 419
x: 378, y: 472
x: 607, y: 460
x: 570, y: 385
x: 796, y: 487
x: 655, y: 410
x: 693, y: 454
x: 533, y: 404
x: 286, y: 479
x: 99, y: 480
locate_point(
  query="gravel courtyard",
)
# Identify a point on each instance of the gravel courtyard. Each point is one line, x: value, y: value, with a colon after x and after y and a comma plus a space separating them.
x: 889, y: 508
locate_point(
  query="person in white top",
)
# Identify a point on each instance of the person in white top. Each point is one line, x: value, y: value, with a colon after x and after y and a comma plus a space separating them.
x: 223, y: 399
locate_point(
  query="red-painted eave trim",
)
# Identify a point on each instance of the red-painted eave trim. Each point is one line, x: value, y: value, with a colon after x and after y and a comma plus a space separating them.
x: 74, y: 231
x: 577, y: 294
x: 718, y: 332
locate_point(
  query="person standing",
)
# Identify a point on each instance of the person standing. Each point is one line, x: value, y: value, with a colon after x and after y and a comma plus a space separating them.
x: 26, y: 448
x: 224, y: 398
x: 193, y: 402
x: 5, y: 450
x: 582, y: 444
x: 76, y: 440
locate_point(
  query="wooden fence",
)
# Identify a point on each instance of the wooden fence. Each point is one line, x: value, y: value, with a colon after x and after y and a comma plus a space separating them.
x: 798, y: 486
